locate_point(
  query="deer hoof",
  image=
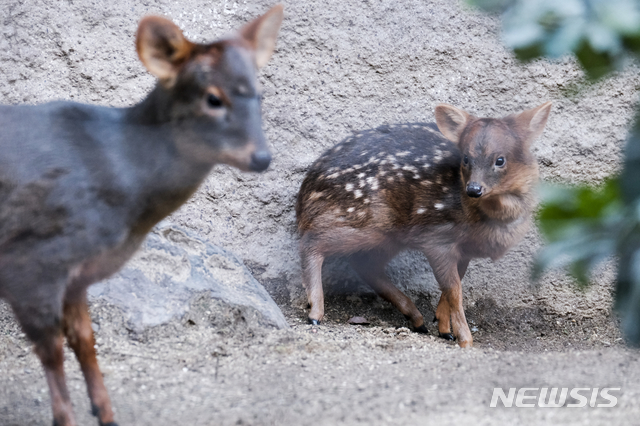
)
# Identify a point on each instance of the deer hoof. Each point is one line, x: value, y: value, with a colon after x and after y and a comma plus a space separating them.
x: 95, y: 411
x: 313, y: 321
x: 447, y: 336
x: 422, y: 329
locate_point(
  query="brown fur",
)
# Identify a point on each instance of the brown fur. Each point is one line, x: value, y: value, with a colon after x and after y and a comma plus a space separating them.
x: 407, y: 187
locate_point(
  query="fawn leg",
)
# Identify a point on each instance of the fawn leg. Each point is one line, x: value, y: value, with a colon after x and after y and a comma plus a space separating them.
x: 77, y: 328
x: 312, y: 278
x: 370, y: 267
x: 450, y: 313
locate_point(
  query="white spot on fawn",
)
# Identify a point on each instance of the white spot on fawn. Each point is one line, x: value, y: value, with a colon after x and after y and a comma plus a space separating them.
x: 366, y: 201
x: 438, y: 206
x: 425, y: 183
x: 390, y: 179
x: 315, y: 195
x: 420, y: 210
x: 403, y: 153
x: 351, y: 209
x: 357, y: 193
x: 361, y: 175
x: 333, y: 176
x: 349, y: 187
x: 373, y: 182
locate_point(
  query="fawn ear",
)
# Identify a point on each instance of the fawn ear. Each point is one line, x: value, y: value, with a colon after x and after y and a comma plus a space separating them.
x: 529, y: 124
x: 162, y: 48
x: 451, y: 121
x: 261, y: 34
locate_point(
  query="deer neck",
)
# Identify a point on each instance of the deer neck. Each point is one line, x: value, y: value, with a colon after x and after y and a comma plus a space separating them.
x: 166, y: 174
x: 507, y: 207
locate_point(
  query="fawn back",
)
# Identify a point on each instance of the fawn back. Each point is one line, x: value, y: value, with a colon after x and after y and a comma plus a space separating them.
x: 464, y: 193
x: 81, y: 185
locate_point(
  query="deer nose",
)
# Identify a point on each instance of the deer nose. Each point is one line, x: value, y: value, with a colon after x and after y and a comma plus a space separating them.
x: 474, y: 190
x: 260, y: 160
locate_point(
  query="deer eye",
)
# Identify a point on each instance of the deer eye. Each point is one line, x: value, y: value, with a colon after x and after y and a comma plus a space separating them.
x: 213, y: 101
x: 500, y: 161
x: 465, y: 160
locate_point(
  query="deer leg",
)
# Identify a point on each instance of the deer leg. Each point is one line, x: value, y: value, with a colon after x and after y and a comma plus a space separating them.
x: 312, y: 278
x: 450, y: 313
x: 77, y: 328
x: 370, y: 267
x: 50, y: 351
x: 39, y: 315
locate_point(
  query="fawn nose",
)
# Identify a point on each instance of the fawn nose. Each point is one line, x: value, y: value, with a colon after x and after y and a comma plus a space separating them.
x: 260, y: 160
x: 474, y: 190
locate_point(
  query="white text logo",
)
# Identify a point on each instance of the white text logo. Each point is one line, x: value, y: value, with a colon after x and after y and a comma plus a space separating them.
x: 554, y: 397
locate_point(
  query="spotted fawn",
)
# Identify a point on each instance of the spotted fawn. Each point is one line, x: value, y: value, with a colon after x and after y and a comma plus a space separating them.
x: 463, y: 192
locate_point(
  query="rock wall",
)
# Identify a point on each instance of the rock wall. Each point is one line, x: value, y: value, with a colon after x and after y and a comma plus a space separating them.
x: 340, y: 66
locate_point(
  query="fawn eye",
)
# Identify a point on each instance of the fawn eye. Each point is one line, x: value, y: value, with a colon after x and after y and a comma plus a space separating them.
x: 213, y: 101
x: 500, y: 161
x: 465, y: 160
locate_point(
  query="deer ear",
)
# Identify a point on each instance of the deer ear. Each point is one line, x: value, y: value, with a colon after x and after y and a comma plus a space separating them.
x: 261, y: 34
x: 529, y: 124
x: 162, y: 48
x: 451, y: 121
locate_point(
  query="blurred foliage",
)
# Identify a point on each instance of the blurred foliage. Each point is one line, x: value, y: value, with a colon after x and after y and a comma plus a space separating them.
x: 599, y: 32
x: 584, y: 225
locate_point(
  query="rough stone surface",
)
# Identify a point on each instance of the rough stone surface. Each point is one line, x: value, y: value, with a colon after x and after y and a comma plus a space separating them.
x: 340, y: 66
x: 172, y: 270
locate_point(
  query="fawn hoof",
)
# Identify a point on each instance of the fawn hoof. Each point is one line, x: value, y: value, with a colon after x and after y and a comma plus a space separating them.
x: 435, y: 319
x: 313, y: 321
x: 95, y: 411
x: 447, y: 336
x: 422, y: 329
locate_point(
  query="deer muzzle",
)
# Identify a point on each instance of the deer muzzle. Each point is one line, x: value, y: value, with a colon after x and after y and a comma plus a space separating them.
x: 474, y: 190
x: 260, y: 160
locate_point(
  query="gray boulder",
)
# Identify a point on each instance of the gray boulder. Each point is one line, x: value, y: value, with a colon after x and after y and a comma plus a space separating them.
x: 175, y: 269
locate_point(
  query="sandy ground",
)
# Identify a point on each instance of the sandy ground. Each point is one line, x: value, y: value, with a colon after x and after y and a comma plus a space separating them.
x: 191, y: 373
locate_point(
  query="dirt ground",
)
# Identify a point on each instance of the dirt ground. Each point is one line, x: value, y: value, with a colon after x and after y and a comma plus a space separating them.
x: 195, y: 372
